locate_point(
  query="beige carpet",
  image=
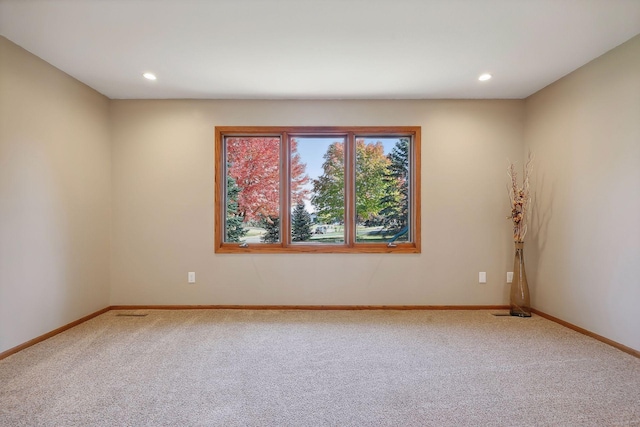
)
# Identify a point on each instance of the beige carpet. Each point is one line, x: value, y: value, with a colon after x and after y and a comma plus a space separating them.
x: 319, y: 368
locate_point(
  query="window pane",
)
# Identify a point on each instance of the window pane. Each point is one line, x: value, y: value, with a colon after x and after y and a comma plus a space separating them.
x: 317, y: 193
x: 252, y: 189
x: 336, y: 193
x: 382, y: 189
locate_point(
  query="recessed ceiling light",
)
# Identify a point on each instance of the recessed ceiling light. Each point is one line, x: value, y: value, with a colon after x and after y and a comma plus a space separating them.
x: 149, y: 76
x: 484, y: 77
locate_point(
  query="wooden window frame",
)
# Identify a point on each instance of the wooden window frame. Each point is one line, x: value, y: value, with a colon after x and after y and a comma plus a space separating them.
x: 285, y: 245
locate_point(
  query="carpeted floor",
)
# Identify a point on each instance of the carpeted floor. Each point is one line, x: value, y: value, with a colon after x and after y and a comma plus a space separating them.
x: 319, y: 368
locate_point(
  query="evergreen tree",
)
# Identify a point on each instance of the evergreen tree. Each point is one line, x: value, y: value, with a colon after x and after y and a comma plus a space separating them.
x: 300, y: 224
x: 396, y: 201
x: 234, y: 226
x: 272, y: 225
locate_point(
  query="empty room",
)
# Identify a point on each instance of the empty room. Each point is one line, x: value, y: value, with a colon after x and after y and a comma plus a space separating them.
x: 319, y: 213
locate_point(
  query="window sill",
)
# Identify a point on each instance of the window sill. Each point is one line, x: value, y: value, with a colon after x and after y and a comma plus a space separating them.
x: 360, y: 248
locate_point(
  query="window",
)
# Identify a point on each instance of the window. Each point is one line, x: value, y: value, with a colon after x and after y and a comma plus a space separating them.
x: 302, y: 189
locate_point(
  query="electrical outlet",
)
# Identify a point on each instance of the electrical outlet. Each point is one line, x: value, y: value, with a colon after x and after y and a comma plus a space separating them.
x: 482, y: 277
x: 509, y: 276
x: 192, y: 277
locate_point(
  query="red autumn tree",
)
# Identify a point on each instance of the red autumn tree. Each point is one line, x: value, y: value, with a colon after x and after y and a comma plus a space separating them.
x: 254, y: 163
x: 298, y: 176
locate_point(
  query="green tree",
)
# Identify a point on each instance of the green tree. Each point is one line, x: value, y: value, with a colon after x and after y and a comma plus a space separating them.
x: 328, y: 189
x: 234, y: 227
x: 300, y: 224
x: 371, y: 169
x: 272, y: 225
x: 396, y: 200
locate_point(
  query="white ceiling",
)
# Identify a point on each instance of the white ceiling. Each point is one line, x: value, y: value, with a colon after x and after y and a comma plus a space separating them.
x: 318, y: 49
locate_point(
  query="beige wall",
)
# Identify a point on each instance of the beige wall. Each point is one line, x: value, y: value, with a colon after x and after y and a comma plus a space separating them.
x: 71, y: 161
x: 163, y: 198
x: 585, y: 243
x: 54, y: 197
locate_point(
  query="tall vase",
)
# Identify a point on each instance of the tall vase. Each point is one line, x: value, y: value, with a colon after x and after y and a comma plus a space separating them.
x: 520, y: 303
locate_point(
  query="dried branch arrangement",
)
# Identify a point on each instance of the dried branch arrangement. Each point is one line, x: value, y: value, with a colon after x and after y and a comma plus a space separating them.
x: 520, y: 198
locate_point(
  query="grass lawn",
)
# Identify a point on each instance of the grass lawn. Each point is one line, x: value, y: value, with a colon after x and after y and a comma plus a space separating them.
x: 363, y: 234
x: 254, y: 231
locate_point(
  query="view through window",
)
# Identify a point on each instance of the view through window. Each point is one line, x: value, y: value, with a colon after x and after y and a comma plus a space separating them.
x: 317, y: 189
